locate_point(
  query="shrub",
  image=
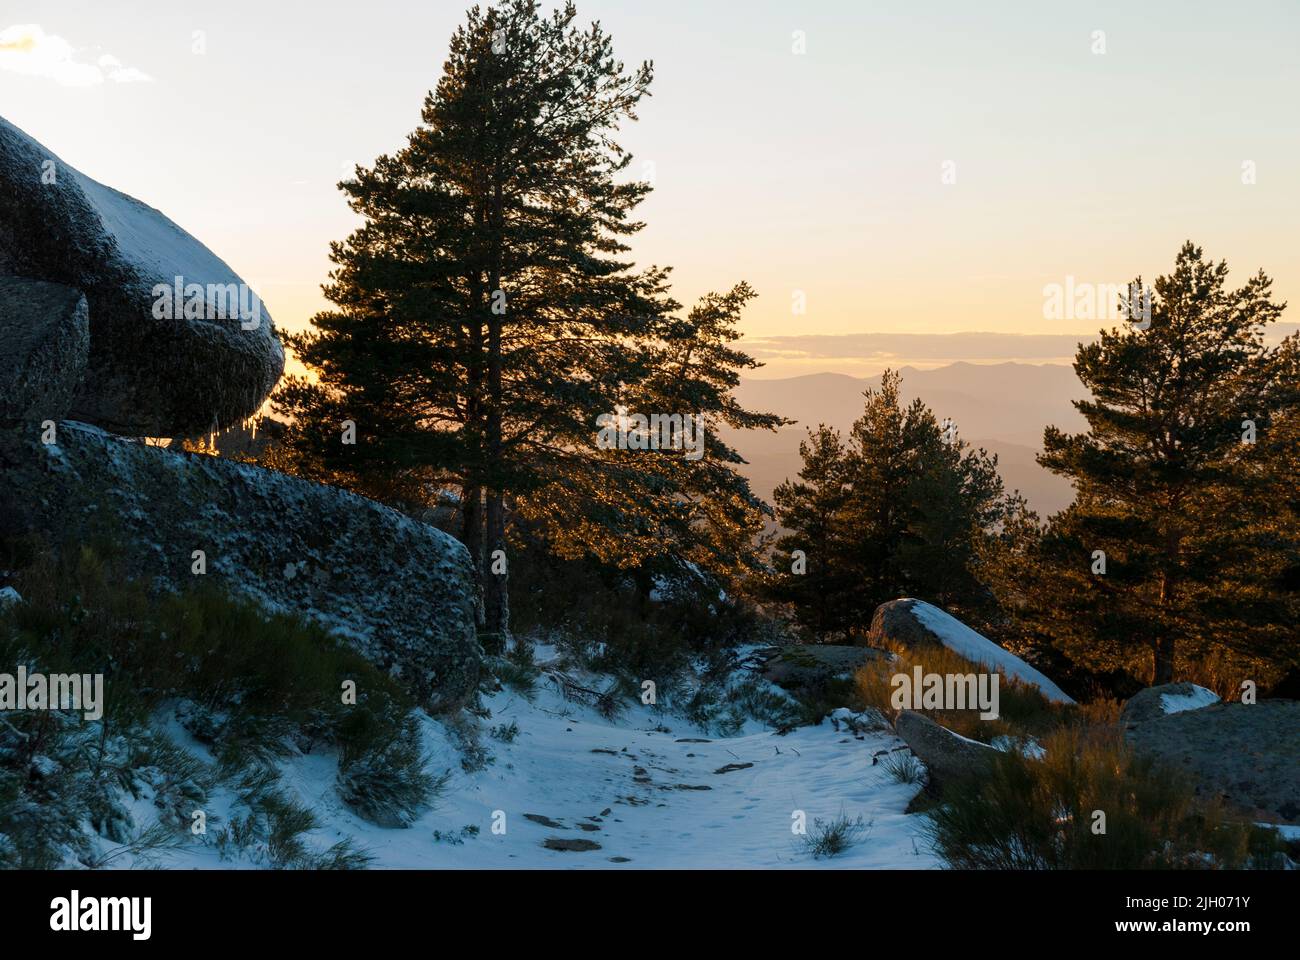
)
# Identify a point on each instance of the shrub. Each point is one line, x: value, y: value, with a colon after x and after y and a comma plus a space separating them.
x: 902, y: 766
x: 386, y: 783
x: 254, y: 687
x: 516, y: 671
x: 830, y: 838
x: 505, y: 732
x: 1040, y: 813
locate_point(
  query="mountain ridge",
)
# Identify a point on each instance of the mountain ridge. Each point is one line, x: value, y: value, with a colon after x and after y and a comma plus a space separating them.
x: 1000, y: 406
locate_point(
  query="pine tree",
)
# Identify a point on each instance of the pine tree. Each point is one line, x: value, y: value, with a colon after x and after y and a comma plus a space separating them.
x: 482, y: 312
x: 807, y: 576
x: 1175, y: 542
x: 485, y: 317
x: 903, y: 508
x: 670, y: 511
x: 718, y: 519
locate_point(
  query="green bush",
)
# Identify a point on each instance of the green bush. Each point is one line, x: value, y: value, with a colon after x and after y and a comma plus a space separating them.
x: 253, y: 687
x: 385, y: 782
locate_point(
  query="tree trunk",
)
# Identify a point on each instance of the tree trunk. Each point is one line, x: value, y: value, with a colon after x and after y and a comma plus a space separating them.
x: 495, y: 565
x: 472, y: 536
x: 496, y: 576
x: 1164, y: 660
x: 1163, y: 671
x: 495, y: 569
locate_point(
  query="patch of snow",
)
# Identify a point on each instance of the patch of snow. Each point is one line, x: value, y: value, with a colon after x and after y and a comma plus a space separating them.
x: 664, y: 587
x: 965, y: 642
x: 1288, y: 831
x: 646, y: 786
x: 9, y: 597
x: 1028, y: 746
x: 1177, y: 703
x: 148, y: 238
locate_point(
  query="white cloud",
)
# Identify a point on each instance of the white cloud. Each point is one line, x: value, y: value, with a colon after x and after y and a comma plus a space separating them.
x: 27, y: 49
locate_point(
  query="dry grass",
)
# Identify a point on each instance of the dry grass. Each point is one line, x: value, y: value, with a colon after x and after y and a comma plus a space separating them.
x: 1023, y: 711
x: 1044, y: 814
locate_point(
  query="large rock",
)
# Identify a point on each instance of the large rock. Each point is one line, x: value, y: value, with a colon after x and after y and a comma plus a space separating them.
x: 806, y: 666
x: 894, y: 626
x: 1247, y: 755
x: 148, y: 374
x: 1165, y: 699
x: 948, y: 756
x: 44, y: 342
x: 909, y: 625
x: 398, y: 591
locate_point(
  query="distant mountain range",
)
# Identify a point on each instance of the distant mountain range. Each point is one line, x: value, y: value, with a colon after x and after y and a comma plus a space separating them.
x: 1002, y: 407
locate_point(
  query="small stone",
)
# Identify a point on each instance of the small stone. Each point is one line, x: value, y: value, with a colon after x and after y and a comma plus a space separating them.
x: 545, y: 821
x: 575, y: 845
x: 733, y: 766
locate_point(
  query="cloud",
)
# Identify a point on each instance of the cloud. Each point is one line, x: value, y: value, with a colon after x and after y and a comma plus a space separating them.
x: 27, y: 49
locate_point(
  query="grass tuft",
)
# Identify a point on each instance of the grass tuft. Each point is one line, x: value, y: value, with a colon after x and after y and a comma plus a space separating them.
x: 830, y: 838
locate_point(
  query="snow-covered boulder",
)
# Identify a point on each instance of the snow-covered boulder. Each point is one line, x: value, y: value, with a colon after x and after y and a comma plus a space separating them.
x: 1165, y: 699
x: 44, y: 341
x: 397, y: 590
x: 159, y: 364
x: 913, y: 624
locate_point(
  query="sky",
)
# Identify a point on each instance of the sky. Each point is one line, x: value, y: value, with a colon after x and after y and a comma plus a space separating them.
x: 889, y: 167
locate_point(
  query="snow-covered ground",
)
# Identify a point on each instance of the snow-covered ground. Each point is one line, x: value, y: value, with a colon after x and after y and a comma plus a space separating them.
x: 648, y: 788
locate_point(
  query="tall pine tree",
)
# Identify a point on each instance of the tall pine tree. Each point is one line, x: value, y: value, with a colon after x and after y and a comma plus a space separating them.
x: 483, y: 313
x: 1180, y: 536
x: 485, y: 317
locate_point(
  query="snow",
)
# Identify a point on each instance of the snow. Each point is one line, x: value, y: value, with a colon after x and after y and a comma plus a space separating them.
x: 1026, y: 747
x: 965, y: 642
x: 633, y: 779
x: 1288, y: 831
x: 149, y: 239
x: 1177, y: 703
x: 9, y: 597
